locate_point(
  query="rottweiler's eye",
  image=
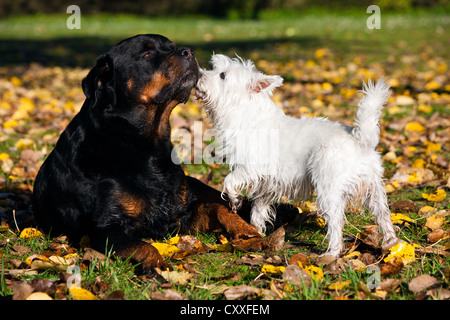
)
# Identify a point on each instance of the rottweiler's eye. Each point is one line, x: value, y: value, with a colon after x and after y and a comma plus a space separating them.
x: 148, y: 54
x: 222, y: 75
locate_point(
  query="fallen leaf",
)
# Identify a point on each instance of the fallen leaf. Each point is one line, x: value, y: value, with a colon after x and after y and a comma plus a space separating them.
x: 402, y: 250
x: 339, y: 285
x: 437, y: 196
x: 272, y: 270
x: 392, y: 267
x: 169, y: 294
x: 436, y: 235
x: 166, y: 250
x: 399, y: 218
x: 242, y: 291
x: 357, y: 265
x: 299, y: 257
x: 427, y: 210
x: 316, y: 273
x: 389, y: 285
x: 21, y: 290
x: 177, y: 277
x: 81, y: 294
x: 421, y: 283
x: 39, y: 296
x: 275, y: 240
x: 28, y: 233
x: 435, y: 221
x: 403, y: 206
x: 415, y: 127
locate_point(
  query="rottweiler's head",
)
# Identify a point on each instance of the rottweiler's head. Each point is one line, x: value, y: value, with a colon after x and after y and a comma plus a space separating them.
x: 145, y: 72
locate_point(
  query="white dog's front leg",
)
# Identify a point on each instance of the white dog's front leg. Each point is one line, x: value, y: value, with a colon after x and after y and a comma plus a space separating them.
x: 232, y: 187
x: 262, y: 212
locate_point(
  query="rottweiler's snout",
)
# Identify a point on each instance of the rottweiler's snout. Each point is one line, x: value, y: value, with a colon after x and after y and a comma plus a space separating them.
x: 186, y: 52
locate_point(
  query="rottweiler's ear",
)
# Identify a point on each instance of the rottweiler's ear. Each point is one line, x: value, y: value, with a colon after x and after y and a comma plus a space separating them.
x: 99, y: 76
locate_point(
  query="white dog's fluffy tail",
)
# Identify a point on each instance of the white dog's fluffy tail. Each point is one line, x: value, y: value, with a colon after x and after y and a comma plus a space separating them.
x: 367, y: 130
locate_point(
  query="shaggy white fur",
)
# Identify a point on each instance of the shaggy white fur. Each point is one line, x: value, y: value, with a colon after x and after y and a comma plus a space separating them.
x: 272, y: 155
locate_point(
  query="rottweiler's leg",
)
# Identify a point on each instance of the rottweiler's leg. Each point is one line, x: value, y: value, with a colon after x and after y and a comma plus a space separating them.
x: 210, y: 217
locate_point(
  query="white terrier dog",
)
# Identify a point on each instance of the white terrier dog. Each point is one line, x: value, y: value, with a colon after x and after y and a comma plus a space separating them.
x: 272, y: 155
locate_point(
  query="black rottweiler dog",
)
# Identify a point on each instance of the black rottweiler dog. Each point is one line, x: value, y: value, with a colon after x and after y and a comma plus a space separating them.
x: 110, y: 175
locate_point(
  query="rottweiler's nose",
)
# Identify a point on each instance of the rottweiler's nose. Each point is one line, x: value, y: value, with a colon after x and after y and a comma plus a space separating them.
x: 187, y: 52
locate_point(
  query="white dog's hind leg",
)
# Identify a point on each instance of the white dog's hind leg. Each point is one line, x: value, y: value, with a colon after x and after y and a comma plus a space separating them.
x: 332, y: 209
x: 377, y: 203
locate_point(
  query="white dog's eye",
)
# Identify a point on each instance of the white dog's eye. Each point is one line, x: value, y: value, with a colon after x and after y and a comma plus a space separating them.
x: 222, y: 75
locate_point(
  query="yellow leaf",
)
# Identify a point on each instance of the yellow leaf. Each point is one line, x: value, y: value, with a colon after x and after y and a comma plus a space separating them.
x: 307, y: 206
x: 432, y: 85
x: 270, y: 269
x: 16, y: 81
x: 81, y: 294
x: 435, y: 221
x: 352, y: 254
x: 4, y: 156
x: 30, y: 233
x: 339, y: 285
x: 33, y: 257
x: 415, y: 127
x: 426, y: 209
x: 319, y: 53
x: 315, y: 272
x: 165, y: 249
x: 402, y: 250
x: 398, y: 218
x: 432, y: 147
x: 319, y: 222
x: 10, y: 124
x: 389, y: 188
x: 223, y: 239
x: 413, y: 178
x: 418, y: 163
x: 24, y: 144
x: 424, y: 108
x: 173, y: 240
x: 438, y: 196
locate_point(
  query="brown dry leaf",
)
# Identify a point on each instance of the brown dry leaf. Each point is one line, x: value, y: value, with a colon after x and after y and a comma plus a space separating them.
x: 276, y: 239
x: 189, y: 245
x: 299, y: 257
x: 421, y: 283
x: 169, y: 294
x: 242, y: 291
x: 296, y: 275
x: 403, y: 206
x: 389, y: 285
x: 176, y: 277
x: 21, y: 290
x: 20, y: 250
x: 437, y: 235
x: 392, y: 267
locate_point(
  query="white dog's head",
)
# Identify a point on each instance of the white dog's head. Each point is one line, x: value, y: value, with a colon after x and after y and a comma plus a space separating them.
x: 233, y: 82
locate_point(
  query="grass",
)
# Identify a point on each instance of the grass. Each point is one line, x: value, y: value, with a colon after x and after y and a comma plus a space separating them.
x: 278, y: 38
x: 303, y: 32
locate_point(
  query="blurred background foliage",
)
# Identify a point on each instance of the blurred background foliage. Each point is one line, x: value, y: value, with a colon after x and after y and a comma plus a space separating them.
x: 230, y: 9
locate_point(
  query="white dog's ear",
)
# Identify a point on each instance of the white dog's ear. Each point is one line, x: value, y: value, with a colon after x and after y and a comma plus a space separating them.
x: 266, y: 84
